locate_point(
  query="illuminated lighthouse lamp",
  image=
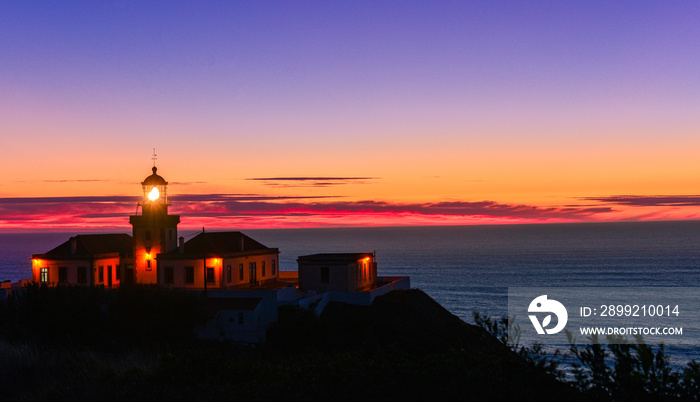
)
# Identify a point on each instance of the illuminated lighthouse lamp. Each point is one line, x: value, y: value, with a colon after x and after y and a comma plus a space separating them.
x: 154, y: 194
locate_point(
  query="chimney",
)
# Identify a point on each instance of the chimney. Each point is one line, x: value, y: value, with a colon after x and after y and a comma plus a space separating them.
x: 73, y: 245
x: 181, y: 245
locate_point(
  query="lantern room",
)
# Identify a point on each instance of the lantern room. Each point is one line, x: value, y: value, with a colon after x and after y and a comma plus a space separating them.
x: 154, y: 189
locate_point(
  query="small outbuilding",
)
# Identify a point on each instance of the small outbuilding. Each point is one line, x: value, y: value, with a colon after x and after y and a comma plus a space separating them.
x: 339, y: 272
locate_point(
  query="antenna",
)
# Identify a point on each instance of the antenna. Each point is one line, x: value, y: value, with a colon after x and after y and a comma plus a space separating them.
x: 154, y: 157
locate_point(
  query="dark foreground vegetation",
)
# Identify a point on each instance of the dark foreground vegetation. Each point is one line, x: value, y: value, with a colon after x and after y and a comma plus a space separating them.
x: 137, y: 343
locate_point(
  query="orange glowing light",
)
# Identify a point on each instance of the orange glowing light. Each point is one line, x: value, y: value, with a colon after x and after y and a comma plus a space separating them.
x: 154, y: 194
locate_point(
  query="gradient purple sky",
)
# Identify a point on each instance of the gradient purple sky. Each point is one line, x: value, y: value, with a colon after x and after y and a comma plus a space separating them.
x: 371, y: 112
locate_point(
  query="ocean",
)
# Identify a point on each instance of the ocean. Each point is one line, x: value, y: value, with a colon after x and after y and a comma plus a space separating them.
x: 469, y: 268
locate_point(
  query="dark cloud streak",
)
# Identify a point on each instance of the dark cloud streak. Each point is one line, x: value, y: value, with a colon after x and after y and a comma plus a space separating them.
x: 649, y: 200
x: 311, y: 181
x: 79, y: 199
x: 311, y: 178
x: 188, y: 183
x: 76, y: 181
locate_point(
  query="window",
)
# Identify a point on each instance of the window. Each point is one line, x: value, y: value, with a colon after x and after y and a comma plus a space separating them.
x: 62, y: 274
x: 189, y: 275
x: 210, y: 275
x: 263, y: 268
x: 273, y: 267
x: 228, y: 274
x: 252, y: 274
x: 82, y: 274
x: 148, y: 265
x: 44, y: 275
x: 169, y: 276
x: 240, y: 272
x: 101, y: 274
x: 325, y: 275
x: 240, y: 318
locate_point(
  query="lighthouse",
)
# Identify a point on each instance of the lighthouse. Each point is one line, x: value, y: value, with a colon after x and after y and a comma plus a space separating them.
x: 154, y: 231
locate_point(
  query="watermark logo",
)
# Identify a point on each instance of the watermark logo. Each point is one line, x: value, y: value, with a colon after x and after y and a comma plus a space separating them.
x: 543, y: 305
x: 560, y: 315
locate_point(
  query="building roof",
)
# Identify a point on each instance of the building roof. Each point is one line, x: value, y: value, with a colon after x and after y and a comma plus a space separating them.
x: 219, y: 243
x: 334, y: 258
x: 215, y: 304
x: 154, y: 179
x: 94, y: 244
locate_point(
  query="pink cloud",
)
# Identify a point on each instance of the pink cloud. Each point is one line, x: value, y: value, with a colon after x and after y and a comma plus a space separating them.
x: 246, y: 210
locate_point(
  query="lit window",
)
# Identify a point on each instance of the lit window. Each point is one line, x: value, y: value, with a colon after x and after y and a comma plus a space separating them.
x: 44, y: 275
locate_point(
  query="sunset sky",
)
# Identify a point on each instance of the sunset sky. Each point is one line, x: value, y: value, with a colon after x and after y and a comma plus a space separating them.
x: 347, y: 113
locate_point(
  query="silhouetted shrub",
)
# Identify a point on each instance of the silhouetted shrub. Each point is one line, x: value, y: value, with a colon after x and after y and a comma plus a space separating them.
x: 620, y: 371
x: 632, y: 372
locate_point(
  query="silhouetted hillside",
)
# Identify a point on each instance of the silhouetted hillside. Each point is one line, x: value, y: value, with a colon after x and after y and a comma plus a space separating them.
x: 403, y: 347
x: 407, y: 346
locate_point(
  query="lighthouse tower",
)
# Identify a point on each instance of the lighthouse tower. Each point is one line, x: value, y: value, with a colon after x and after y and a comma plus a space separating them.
x: 154, y: 231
